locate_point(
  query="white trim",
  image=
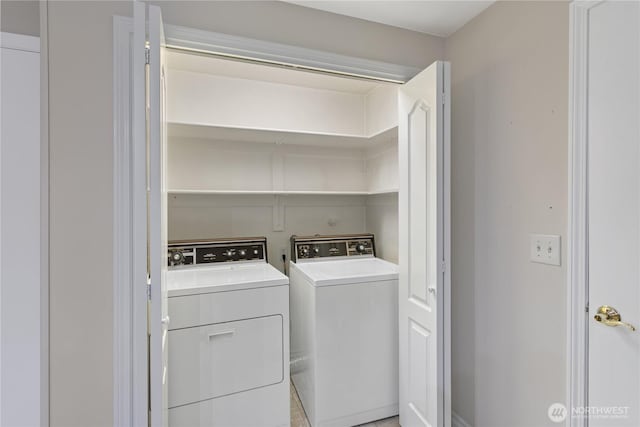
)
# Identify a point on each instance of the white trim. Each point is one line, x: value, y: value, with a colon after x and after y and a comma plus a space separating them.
x: 458, y: 421
x: 32, y: 44
x: 44, y: 213
x: 20, y: 42
x: 156, y: 218
x: 122, y: 245
x: 190, y: 39
x: 577, y: 271
x: 130, y: 362
x: 1, y: 233
x: 446, y: 250
x: 130, y: 352
x: 138, y: 185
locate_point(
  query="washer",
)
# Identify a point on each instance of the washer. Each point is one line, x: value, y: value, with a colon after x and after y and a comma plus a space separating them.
x: 228, y: 338
x: 344, y: 330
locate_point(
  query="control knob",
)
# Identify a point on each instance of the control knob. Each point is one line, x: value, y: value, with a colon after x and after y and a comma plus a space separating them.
x: 177, y: 257
x: 316, y: 250
x: 228, y: 253
x: 360, y: 248
x: 242, y: 252
x: 304, y: 252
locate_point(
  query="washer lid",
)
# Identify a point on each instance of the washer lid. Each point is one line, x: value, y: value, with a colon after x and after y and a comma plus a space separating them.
x: 227, y: 277
x: 347, y: 271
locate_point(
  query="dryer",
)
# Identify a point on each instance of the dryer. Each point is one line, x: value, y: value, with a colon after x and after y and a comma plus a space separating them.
x: 344, y: 330
x: 228, y: 335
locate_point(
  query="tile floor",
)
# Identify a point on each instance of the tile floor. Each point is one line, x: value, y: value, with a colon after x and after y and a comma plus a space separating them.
x: 387, y: 422
x: 299, y: 419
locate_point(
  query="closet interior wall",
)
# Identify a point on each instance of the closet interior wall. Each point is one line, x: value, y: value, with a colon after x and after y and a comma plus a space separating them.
x: 262, y: 151
x: 210, y: 211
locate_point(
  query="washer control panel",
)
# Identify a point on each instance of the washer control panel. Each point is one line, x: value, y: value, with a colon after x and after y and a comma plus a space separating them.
x: 202, y: 252
x: 314, y: 247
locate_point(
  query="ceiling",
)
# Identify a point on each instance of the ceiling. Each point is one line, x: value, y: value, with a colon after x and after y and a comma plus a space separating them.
x: 439, y: 18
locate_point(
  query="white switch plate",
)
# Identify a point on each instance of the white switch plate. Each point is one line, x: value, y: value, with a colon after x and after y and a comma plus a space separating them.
x: 545, y: 249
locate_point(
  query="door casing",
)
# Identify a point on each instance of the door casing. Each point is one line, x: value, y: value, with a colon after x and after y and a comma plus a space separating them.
x: 577, y: 277
x: 130, y: 358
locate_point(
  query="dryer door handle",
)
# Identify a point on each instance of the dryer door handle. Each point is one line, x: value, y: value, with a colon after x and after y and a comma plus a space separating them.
x: 222, y: 333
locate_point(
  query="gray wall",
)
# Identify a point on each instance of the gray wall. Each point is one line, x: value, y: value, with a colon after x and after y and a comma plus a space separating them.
x: 509, y: 129
x: 20, y: 17
x: 382, y: 221
x: 509, y: 154
x: 221, y: 215
x: 81, y: 211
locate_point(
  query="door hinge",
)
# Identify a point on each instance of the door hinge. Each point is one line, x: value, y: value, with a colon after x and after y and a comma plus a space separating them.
x: 149, y: 291
x: 147, y: 55
x: 443, y: 267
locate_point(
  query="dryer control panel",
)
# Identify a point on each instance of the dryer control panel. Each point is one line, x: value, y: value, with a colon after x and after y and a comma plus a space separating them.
x: 317, y: 247
x: 203, y: 252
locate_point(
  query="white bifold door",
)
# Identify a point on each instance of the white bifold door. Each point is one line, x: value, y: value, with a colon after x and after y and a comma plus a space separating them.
x: 424, y: 294
x: 150, y: 156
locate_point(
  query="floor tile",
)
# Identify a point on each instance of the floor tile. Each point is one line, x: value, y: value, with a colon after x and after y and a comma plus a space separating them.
x: 299, y: 418
x: 389, y: 422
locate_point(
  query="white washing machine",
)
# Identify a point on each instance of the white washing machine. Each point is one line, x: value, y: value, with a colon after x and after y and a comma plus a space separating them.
x: 344, y: 330
x: 228, y: 348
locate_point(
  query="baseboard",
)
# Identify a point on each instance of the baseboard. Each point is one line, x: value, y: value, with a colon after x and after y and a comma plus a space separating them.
x: 458, y: 421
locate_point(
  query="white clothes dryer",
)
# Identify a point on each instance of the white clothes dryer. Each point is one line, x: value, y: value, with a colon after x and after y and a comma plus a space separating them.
x: 228, y: 338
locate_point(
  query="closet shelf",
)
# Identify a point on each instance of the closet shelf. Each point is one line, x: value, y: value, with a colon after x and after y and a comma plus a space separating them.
x: 275, y: 136
x: 383, y: 191
x: 283, y: 192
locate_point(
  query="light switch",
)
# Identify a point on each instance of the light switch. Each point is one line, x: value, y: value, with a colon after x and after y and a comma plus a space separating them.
x: 545, y: 249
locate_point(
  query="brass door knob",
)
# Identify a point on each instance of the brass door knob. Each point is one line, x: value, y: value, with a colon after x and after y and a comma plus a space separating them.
x: 610, y: 317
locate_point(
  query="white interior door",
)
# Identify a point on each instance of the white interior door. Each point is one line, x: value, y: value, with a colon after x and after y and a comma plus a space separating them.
x: 613, y: 136
x: 424, y: 292
x: 158, y: 318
